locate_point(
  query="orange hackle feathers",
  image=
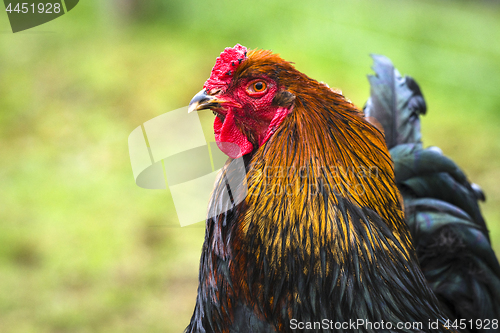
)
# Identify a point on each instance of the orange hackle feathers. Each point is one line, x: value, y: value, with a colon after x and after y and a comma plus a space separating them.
x: 323, y: 142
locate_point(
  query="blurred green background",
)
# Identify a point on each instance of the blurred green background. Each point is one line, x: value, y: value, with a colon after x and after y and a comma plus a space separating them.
x: 82, y: 248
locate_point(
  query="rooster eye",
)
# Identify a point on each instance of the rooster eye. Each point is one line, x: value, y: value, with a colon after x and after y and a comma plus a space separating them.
x: 257, y: 88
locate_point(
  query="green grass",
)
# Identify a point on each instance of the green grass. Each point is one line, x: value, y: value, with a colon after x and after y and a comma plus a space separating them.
x: 82, y: 248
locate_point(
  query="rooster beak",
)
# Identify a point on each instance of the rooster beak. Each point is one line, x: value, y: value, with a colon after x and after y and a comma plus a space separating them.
x: 203, y: 101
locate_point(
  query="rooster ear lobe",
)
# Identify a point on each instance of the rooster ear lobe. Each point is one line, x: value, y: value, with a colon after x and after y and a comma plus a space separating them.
x: 283, y: 98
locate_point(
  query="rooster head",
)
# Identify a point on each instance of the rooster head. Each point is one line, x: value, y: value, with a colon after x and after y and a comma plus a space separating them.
x: 250, y: 100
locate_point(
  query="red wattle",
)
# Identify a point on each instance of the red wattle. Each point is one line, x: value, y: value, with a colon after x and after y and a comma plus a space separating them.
x: 229, y: 138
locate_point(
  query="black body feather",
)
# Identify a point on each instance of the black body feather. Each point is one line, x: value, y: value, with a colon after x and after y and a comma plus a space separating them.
x: 442, y: 210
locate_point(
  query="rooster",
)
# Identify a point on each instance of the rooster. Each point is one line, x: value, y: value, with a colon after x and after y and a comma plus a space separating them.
x: 318, y: 239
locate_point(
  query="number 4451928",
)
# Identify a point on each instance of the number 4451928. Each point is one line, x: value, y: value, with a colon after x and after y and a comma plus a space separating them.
x: 47, y: 8
x: 485, y: 324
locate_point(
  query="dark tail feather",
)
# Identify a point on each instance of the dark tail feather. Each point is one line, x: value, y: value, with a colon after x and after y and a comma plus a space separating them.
x: 396, y: 102
x: 442, y: 209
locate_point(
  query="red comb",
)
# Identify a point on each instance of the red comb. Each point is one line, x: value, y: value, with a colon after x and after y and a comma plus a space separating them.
x: 224, y: 67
